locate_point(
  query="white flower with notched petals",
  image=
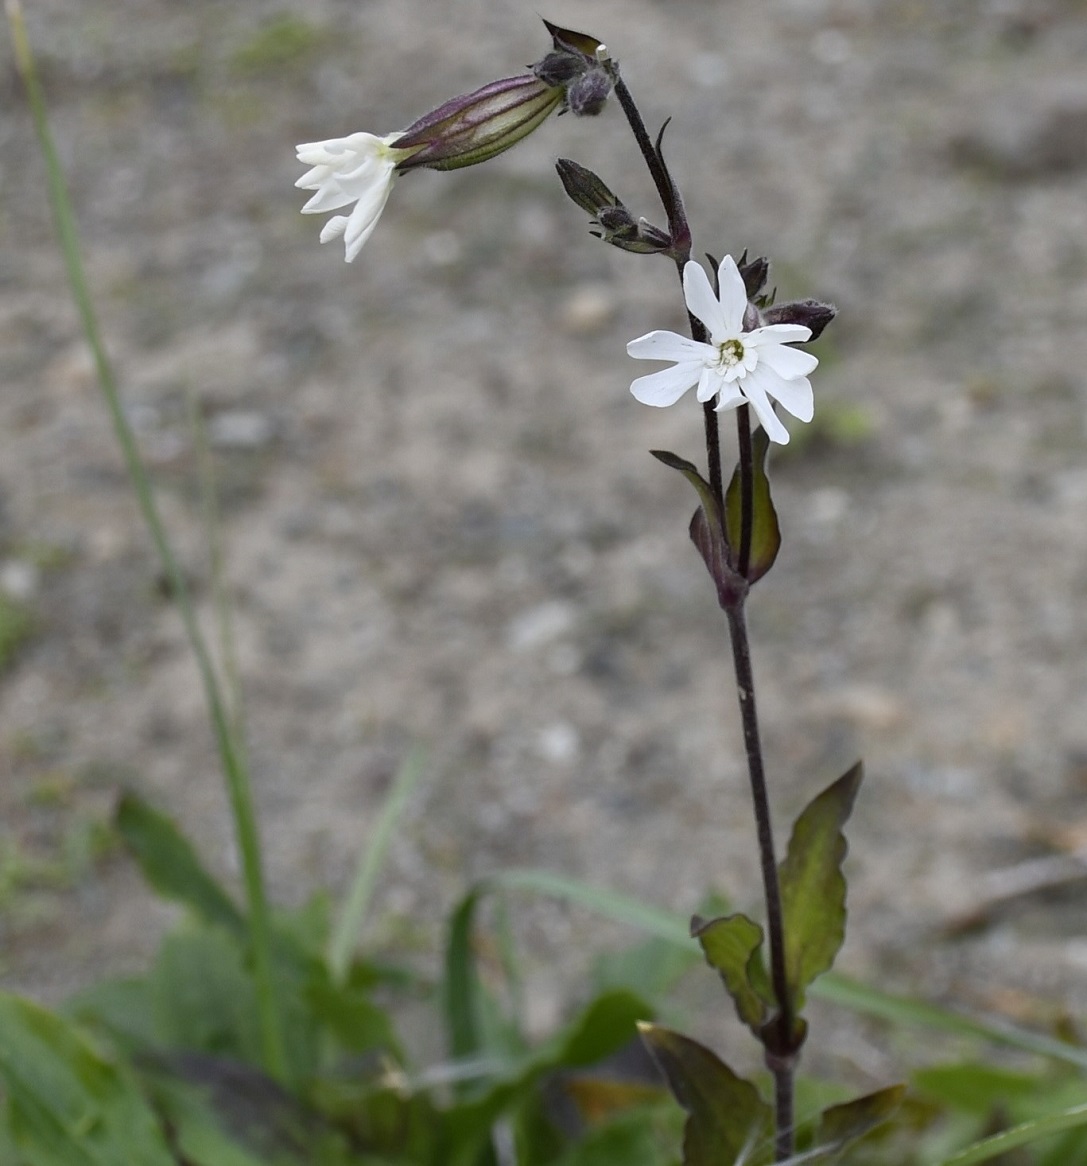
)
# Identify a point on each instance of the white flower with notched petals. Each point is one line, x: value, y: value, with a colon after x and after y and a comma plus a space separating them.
x: 359, y: 169
x: 754, y: 366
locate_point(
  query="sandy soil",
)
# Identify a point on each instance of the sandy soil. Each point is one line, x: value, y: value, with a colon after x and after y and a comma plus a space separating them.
x: 442, y: 525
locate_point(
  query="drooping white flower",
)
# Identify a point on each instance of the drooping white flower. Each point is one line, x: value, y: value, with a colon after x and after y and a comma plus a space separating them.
x: 464, y: 131
x: 359, y: 169
x: 753, y: 365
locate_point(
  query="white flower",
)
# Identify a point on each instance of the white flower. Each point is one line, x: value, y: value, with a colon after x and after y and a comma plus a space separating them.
x: 360, y: 169
x: 756, y: 366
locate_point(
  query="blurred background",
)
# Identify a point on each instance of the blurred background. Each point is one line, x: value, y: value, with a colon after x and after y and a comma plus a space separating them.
x: 441, y: 522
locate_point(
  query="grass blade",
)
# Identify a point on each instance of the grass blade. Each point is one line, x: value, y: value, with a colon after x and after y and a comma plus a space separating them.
x: 1021, y: 1135
x: 832, y: 987
x: 346, y: 935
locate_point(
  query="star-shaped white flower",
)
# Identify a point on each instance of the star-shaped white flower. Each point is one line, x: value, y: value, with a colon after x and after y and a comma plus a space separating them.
x: 755, y: 366
x: 359, y: 169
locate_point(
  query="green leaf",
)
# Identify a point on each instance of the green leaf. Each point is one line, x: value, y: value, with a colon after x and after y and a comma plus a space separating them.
x: 765, y: 532
x: 732, y: 946
x: 727, y: 1121
x: 841, y: 1125
x: 202, y: 995
x: 608, y: 1023
x: 813, y: 887
x: 461, y: 987
x: 123, y: 1008
x: 170, y: 864
x: 68, y: 1105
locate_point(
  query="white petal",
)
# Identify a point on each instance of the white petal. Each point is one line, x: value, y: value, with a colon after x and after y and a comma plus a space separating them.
x: 701, y: 301
x: 794, y: 396
x: 729, y: 399
x: 334, y: 228
x: 755, y: 390
x: 668, y: 346
x: 328, y: 198
x: 666, y: 387
x: 787, y: 362
x: 363, y: 220
x: 710, y: 383
x: 782, y: 333
x: 733, y: 295
x: 312, y: 179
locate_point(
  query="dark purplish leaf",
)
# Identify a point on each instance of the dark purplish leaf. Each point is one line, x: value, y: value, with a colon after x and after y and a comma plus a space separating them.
x: 813, y: 887
x: 727, y: 1119
x: 765, y: 532
x: 707, y: 531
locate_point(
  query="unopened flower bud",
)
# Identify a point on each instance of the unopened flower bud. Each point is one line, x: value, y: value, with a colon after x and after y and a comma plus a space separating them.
x: 617, y: 225
x: 582, y: 66
x: 477, y: 126
x: 755, y: 273
x: 586, y: 96
x: 808, y: 313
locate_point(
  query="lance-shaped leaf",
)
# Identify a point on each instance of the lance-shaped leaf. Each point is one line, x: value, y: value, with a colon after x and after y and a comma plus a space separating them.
x: 813, y: 886
x: 733, y: 945
x: 707, y: 532
x: 170, y: 864
x: 765, y: 533
x: 728, y: 1121
x: 841, y: 1125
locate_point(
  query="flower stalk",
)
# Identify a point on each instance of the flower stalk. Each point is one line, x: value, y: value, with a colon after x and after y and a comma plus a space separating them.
x: 742, y: 359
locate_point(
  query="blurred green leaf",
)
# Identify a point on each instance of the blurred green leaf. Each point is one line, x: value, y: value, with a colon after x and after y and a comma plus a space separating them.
x: 371, y: 859
x: 732, y: 946
x: 607, y: 1023
x: 225, y: 1113
x: 124, y: 1008
x: 841, y: 1125
x: 630, y: 1140
x: 650, y: 969
x: 461, y: 987
x: 1025, y: 1134
x: 813, y: 889
x: 68, y: 1105
x: 622, y: 908
x: 909, y: 1010
x: 973, y: 1087
x: 202, y: 995
x: 765, y: 532
x: 728, y: 1121
x: 170, y: 864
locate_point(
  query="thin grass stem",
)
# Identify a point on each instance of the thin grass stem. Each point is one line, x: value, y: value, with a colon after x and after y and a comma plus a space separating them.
x: 236, y: 777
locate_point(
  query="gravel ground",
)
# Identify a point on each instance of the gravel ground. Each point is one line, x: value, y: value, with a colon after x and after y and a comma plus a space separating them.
x: 441, y: 522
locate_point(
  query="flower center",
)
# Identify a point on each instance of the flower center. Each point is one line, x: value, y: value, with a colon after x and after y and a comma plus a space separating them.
x: 730, y: 353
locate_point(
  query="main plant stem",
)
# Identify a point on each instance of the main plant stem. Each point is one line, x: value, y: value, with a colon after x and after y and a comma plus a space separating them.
x: 781, y: 1067
x: 780, y: 1063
